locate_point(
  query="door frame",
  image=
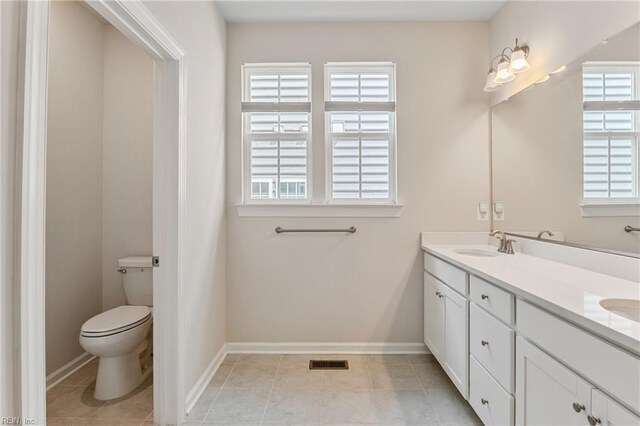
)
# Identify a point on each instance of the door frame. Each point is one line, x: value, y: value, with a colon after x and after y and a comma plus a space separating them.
x: 134, y: 20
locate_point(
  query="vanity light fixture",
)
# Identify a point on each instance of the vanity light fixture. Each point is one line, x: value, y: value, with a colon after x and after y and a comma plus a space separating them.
x: 512, y: 61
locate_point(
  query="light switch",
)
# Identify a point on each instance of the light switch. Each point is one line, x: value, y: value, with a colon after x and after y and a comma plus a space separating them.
x: 498, y: 210
x: 483, y: 211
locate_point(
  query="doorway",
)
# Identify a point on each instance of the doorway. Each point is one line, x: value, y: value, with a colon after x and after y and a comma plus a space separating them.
x: 132, y: 20
x: 98, y: 220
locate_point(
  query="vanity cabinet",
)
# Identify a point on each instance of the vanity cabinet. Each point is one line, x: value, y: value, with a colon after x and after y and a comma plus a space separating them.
x: 517, y: 363
x: 548, y: 393
x: 434, y: 316
x: 456, y: 342
x: 446, y: 321
x: 606, y: 411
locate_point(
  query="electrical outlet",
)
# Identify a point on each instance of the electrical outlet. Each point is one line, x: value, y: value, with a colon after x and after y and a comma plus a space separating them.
x: 483, y: 211
x: 498, y: 211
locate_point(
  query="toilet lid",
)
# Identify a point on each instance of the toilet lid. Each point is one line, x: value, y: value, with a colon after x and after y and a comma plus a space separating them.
x: 117, y: 319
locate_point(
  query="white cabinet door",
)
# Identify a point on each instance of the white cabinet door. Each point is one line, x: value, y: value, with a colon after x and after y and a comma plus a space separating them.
x: 434, y: 316
x: 456, y: 340
x: 547, y: 393
x: 607, y: 412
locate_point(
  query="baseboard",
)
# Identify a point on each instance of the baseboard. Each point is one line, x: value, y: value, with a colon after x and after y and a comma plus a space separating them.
x: 327, y: 347
x: 201, y: 384
x: 68, y: 369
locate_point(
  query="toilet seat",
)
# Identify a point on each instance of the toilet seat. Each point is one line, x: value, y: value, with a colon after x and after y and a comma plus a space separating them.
x: 116, y: 320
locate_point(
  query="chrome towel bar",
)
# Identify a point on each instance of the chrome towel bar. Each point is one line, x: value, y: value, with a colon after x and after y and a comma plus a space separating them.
x: 351, y: 230
x: 631, y: 229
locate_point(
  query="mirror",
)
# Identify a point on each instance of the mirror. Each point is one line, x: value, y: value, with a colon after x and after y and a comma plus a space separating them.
x: 565, y: 151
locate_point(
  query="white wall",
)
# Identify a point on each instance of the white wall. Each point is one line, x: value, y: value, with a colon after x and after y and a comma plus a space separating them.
x: 200, y: 30
x: 127, y: 160
x: 74, y: 179
x: 365, y: 287
x: 557, y: 32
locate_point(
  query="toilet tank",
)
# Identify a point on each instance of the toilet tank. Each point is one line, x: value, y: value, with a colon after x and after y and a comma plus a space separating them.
x: 137, y: 278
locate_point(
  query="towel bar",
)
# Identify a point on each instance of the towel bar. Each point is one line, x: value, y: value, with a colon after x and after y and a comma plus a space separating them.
x: 351, y: 230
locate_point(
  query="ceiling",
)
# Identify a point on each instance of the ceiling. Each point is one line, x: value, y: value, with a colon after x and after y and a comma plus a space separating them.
x: 358, y: 10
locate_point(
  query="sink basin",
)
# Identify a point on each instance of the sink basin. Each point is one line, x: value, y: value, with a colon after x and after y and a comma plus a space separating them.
x: 627, y: 308
x: 477, y: 252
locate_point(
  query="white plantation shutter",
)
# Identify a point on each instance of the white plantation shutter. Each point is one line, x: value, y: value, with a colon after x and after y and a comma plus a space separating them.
x: 611, y: 129
x: 360, y: 108
x: 276, y: 106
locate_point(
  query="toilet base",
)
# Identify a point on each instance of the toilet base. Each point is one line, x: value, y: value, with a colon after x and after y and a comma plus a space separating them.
x: 117, y: 376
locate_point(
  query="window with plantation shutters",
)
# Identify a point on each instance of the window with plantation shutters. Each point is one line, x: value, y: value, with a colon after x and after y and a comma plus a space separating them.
x: 611, y: 126
x: 360, y: 121
x: 276, y: 107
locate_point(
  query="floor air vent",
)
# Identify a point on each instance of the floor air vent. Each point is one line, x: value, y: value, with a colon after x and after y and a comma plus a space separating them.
x: 328, y: 365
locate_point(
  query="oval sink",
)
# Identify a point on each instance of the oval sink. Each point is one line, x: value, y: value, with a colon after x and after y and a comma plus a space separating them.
x: 477, y: 252
x: 627, y: 308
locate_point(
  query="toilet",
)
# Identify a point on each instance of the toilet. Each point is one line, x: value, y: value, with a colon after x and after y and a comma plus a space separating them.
x: 120, y: 337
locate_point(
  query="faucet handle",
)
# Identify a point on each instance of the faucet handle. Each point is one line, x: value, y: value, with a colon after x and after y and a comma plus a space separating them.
x: 508, y: 246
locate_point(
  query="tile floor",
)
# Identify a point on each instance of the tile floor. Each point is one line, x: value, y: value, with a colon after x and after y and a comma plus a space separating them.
x: 71, y: 403
x: 377, y: 389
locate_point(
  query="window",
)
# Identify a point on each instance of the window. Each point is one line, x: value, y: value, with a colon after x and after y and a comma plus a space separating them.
x: 611, y: 126
x: 360, y: 131
x: 276, y: 107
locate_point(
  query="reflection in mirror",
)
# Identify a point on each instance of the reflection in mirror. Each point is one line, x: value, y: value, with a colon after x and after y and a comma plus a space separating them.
x: 565, y: 151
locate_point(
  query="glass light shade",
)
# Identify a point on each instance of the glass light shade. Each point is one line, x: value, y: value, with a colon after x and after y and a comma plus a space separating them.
x: 504, y: 74
x: 518, y: 61
x: 490, y: 85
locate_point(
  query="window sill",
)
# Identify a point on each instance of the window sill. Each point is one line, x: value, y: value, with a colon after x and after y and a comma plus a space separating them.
x: 319, y: 210
x: 610, y: 208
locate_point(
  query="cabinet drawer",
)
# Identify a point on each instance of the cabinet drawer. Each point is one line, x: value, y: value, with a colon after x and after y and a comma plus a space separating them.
x: 454, y: 277
x: 493, y: 345
x: 493, y: 404
x: 495, y: 300
x: 603, y: 364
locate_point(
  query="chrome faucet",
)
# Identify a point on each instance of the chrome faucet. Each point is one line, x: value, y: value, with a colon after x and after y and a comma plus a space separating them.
x: 506, y: 245
x: 544, y: 231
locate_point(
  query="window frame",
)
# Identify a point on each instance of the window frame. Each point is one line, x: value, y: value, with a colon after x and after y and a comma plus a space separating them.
x: 613, y: 206
x: 247, y: 70
x: 382, y: 67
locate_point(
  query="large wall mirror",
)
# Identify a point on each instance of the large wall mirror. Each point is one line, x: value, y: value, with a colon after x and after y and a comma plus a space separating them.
x: 565, y: 151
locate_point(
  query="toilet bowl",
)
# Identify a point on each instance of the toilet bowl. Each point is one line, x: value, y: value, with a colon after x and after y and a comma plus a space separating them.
x: 115, y: 336
x: 119, y: 335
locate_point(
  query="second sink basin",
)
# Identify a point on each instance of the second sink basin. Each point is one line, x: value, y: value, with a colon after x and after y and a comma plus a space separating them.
x: 627, y: 308
x: 477, y: 252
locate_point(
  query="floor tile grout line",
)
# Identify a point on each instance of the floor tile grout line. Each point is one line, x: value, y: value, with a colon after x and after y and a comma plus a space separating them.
x: 219, y: 389
x: 271, y: 390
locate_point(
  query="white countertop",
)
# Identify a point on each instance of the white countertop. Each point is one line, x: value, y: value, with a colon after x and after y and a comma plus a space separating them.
x: 569, y: 292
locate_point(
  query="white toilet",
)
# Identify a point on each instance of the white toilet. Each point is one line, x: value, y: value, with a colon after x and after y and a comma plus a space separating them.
x: 120, y: 335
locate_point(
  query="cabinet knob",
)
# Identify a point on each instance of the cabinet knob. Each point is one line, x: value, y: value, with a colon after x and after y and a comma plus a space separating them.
x: 484, y: 401
x: 593, y: 421
x: 438, y: 293
x: 577, y: 407
x: 485, y: 343
x: 484, y: 296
